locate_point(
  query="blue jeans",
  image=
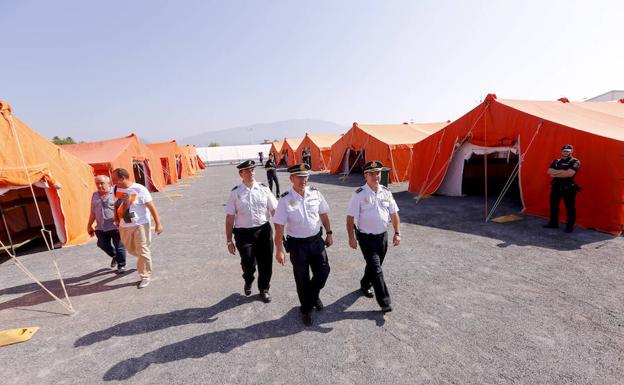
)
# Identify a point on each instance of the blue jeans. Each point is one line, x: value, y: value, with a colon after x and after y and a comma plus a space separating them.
x: 110, y: 242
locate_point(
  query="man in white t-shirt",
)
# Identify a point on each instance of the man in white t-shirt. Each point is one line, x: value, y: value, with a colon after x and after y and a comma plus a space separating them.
x: 133, y: 206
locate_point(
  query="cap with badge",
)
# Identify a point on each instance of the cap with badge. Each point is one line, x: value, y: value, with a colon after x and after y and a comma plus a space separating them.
x: 300, y: 169
x: 567, y: 147
x: 373, y: 166
x: 246, y: 164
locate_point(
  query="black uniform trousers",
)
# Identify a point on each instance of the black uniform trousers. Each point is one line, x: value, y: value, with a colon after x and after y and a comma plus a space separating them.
x: 568, y: 194
x: 255, y: 246
x: 272, y: 177
x: 308, y: 254
x: 374, y: 248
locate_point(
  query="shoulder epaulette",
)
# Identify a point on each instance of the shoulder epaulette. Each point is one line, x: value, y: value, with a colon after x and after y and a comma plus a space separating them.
x: 313, y: 188
x: 235, y: 187
x: 359, y: 190
x: 263, y: 185
x: 384, y: 187
x: 284, y: 194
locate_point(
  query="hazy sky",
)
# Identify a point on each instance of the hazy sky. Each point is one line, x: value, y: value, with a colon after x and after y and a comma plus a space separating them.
x: 169, y: 69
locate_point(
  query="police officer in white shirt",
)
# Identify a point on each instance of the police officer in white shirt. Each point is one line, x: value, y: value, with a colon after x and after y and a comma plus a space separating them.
x: 372, y: 207
x: 248, y: 211
x: 303, y: 209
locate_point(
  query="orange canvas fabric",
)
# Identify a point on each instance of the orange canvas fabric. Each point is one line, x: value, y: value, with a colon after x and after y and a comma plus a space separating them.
x: 166, y: 150
x: 70, y: 179
x: 389, y: 143
x: 320, y: 150
x: 290, y: 145
x: 107, y: 155
x: 276, y: 148
x: 540, y: 128
x: 183, y: 161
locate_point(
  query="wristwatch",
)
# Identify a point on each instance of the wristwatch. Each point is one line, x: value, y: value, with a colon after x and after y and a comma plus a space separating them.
x: 329, y: 232
x: 397, y: 233
x: 230, y: 242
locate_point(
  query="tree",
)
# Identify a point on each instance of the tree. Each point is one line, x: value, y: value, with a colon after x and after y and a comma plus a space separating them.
x: 213, y: 144
x: 68, y: 140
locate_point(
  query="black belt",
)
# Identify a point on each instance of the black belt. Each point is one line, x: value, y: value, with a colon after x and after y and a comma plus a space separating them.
x: 305, y: 240
x: 249, y: 229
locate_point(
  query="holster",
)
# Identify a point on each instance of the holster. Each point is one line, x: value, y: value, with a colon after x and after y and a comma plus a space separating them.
x: 286, y: 244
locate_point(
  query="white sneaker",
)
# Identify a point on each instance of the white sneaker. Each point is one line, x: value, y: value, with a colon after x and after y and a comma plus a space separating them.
x: 144, y: 283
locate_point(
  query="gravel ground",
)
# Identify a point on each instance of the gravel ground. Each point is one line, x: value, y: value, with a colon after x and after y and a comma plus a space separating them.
x: 475, y: 303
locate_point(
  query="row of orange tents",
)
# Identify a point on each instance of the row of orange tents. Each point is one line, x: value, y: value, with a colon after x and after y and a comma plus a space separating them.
x: 43, y: 185
x: 526, y: 135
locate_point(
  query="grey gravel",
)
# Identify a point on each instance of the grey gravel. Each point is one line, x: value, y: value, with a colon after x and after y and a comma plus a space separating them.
x: 474, y: 303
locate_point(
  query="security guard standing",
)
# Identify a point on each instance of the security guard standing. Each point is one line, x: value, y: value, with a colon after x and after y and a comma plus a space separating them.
x: 373, y: 206
x: 248, y: 211
x: 271, y: 173
x: 563, y: 171
x: 302, y: 209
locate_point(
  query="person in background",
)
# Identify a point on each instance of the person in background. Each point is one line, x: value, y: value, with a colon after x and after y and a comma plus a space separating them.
x: 261, y: 157
x: 134, y: 209
x: 563, y: 171
x: 103, y: 214
x: 271, y: 172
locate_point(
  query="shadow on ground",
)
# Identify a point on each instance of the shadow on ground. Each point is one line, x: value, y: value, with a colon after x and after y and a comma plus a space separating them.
x: 466, y: 215
x: 222, y: 341
x: 76, y: 286
x: 351, y: 180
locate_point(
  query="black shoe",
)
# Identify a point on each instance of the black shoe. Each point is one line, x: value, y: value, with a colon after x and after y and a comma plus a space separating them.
x: 386, y: 309
x: 318, y: 305
x: 569, y: 229
x: 367, y: 292
x: 265, y: 296
x: 551, y: 226
x: 113, y: 263
x: 121, y: 269
x: 247, y: 289
x: 307, y: 319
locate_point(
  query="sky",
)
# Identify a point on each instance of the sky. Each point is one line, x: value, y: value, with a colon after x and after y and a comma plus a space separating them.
x: 163, y: 69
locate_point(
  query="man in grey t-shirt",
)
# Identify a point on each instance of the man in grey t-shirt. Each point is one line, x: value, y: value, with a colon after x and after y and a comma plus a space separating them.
x: 103, y: 214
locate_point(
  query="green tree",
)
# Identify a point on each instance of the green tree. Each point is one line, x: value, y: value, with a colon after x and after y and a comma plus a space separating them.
x: 213, y: 144
x: 68, y: 140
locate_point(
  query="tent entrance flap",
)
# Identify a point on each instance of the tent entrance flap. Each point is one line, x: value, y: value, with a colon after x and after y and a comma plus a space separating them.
x: 466, y: 172
x: 353, y: 161
x: 165, y: 166
x: 19, y: 221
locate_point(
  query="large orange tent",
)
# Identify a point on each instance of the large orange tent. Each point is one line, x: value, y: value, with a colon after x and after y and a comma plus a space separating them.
x: 183, y: 163
x: 166, y: 152
x: 276, y: 150
x: 389, y: 143
x: 61, y: 182
x: 320, y: 150
x: 127, y: 152
x: 535, y: 130
x: 288, y: 148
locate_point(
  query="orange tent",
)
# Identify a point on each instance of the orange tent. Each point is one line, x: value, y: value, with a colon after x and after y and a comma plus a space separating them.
x: 166, y: 152
x: 62, y: 183
x: 288, y: 147
x: 320, y: 150
x: 389, y: 143
x: 183, y: 163
x: 276, y: 150
x: 195, y: 161
x: 536, y: 130
x: 127, y: 152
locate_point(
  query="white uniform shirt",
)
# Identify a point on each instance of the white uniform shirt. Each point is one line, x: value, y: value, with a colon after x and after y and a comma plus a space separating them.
x: 301, y: 214
x: 372, y: 210
x: 250, y: 206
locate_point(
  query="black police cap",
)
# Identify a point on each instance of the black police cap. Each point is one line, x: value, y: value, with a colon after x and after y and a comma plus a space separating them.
x: 301, y: 169
x: 567, y: 147
x: 246, y: 164
x: 373, y: 166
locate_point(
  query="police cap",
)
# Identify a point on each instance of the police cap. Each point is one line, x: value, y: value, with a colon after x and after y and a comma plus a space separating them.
x: 246, y: 164
x: 373, y: 166
x: 567, y: 147
x: 300, y: 169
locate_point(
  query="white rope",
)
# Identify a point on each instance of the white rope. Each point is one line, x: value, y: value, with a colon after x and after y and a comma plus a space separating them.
x: 514, y: 173
x: 455, y: 149
x: 50, y: 246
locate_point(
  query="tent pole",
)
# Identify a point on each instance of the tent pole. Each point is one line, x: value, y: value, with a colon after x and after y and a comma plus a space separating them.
x: 485, y: 195
x: 6, y: 228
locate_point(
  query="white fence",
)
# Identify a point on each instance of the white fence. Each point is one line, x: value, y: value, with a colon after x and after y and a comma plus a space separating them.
x: 232, y: 154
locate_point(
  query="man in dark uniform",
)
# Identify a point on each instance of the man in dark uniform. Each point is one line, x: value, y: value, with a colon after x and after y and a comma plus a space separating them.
x: 271, y: 172
x: 563, y: 171
x: 302, y: 210
x: 248, y: 210
x: 373, y: 206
